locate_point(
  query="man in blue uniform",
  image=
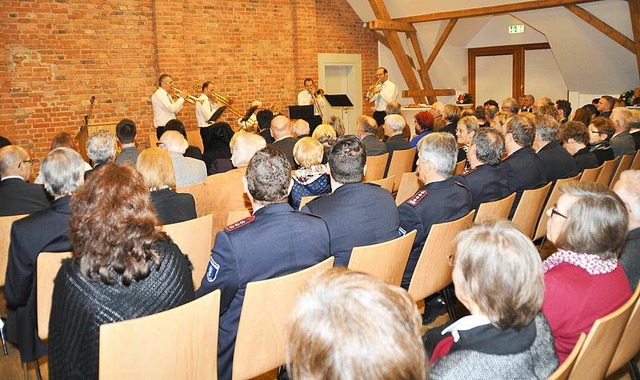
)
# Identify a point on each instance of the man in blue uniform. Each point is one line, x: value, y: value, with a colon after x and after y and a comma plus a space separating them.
x: 357, y: 213
x: 276, y: 240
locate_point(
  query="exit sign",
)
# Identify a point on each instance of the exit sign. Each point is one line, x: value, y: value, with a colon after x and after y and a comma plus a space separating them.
x: 513, y: 29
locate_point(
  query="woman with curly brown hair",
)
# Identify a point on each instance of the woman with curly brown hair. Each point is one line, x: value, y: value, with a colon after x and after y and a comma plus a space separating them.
x: 123, y: 268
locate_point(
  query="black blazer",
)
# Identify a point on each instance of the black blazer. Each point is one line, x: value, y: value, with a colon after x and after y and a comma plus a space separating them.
x: 524, y: 171
x: 19, y: 197
x: 173, y: 207
x: 286, y: 146
x: 557, y: 162
x: 486, y: 183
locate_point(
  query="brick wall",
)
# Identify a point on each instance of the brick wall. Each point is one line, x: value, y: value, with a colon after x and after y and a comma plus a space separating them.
x: 59, y: 53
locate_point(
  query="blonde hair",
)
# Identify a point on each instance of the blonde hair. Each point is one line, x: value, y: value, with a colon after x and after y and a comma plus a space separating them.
x: 243, y: 146
x: 156, y: 168
x: 325, y: 134
x: 308, y: 152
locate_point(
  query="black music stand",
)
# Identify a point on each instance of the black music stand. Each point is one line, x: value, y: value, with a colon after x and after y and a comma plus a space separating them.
x: 301, y: 112
x: 339, y: 100
x: 216, y: 114
x: 248, y: 114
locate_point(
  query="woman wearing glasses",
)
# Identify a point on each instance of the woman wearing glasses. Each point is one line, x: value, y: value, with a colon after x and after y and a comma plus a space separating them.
x: 600, y: 131
x: 583, y: 279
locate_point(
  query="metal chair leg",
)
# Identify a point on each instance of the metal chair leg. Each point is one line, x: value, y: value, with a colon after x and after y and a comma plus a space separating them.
x: 38, y: 373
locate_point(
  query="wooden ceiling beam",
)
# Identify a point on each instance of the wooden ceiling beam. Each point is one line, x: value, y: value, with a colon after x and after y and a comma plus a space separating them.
x: 383, y: 40
x: 422, y: 72
x: 634, y: 11
x: 441, y: 41
x: 391, y: 25
x: 603, y: 27
x: 491, y: 10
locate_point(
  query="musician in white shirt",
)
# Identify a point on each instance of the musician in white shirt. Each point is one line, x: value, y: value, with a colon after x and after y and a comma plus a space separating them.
x: 384, y: 93
x: 164, y: 108
x: 307, y: 97
x: 252, y: 122
x: 204, y: 110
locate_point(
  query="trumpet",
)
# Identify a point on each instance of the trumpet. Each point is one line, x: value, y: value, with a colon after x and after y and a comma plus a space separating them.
x: 190, y: 98
x: 370, y: 93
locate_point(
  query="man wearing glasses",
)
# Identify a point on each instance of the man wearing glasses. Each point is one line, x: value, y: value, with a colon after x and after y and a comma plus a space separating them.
x: 384, y: 93
x: 17, y: 194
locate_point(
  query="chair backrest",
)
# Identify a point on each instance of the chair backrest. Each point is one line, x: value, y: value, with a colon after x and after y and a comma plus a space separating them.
x: 433, y: 270
x: 625, y: 164
x: 194, y: 239
x: 409, y: 184
x: 385, y: 261
x: 562, y: 372
x: 226, y: 194
x: 386, y: 183
x: 635, y: 165
x: 608, y: 168
x: 591, y: 175
x: 552, y: 199
x: 603, y: 338
x: 529, y: 209
x: 401, y: 162
x: 194, y: 138
x: 495, y: 210
x: 200, y: 193
x: 5, y: 237
x: 153, y: 139
x: 307, y: 199
x: 180, y: 343
x: 234, y: 216
x: 375, y: 167
x: 260, y: 343
x: 47, y: 266
x: 459, y: 169
x: 629, y: 344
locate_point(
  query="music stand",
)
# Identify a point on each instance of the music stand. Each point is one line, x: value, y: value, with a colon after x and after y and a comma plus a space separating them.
x: 248, y: 114
x: 301, y: 112
x: 339, y: 100
x: 216, y: 114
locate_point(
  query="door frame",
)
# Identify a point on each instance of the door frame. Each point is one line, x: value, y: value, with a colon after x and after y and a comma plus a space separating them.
x: 355, y: 79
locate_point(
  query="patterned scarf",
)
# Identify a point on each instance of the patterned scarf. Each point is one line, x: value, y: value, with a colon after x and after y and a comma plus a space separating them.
x: 593, y: 264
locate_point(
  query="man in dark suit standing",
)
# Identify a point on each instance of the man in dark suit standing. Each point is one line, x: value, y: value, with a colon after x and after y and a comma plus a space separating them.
x: 357, y: 213
x: 283, y: 139
x: 42, y: 231
x: 17, y: 194
x: 523, y: 168
x: 276, y: 240
x: 557, y: 162
x: 366, y: 128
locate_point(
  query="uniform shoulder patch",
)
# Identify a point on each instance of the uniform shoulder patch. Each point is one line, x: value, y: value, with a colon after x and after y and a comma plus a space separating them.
x: 417, y: 197
x: 212, y: 270
x: 240, y: 223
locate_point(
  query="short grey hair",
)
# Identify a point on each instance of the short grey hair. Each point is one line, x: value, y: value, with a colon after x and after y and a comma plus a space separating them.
x: 174, y: 142
x: 628, y: 189
x: 101, y: 147
x: 244, y: 146
x: 623, y: 115
x: 395, y: 122
x: 62, y: 172
x: 489, y: 145
x: 301, y: 127
x: 10, y: 158
x: 441, y: 149
x: 511, y: 104
x: 470, y: 123
x: 547, y: 128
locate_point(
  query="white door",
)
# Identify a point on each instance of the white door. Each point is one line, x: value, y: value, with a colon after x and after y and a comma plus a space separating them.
x: 342, y: 74
x: 494, y: 78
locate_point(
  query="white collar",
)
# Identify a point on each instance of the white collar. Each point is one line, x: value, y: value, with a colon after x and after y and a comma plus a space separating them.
x: 12, y: 176
x: 466, y: 323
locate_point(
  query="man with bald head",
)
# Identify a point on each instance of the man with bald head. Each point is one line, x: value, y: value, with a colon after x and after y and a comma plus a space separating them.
x: 17, y: 194
x: 284, y: 140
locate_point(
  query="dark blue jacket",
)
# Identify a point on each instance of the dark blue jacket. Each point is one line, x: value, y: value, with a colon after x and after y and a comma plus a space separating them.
x: 524, y: 171
x: 557, y: 162
x: 486, y: 183
x: 19, y: 197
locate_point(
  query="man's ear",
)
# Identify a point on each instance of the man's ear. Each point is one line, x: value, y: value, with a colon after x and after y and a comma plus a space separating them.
x: 245, y: 185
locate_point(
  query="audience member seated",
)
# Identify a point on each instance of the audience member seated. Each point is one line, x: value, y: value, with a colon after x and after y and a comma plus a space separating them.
x: 441, y: 199
x: 583, y: 115
x: 312, y: 177
x: 481, y: 115
x: 101, y: 149
x: 600, y: 131
x: 605, y: 105
x: 574, y: 138
x: 157, y: 171
x: 489, y: 114
x: 465, y: 131
x: 526, y: 103
x: 329, y: 338
x: 61, y: 140
x: 583, y: 279
x: 628, y: 189
x: 510, y: 107
x: 338, y: 126
x: 548, y: 110
x: 4, y: 141
x: 451, y: 115
x: 187, y: 170
x: 634, y: 127
x: 485, y: 180
x: 326, y: 135
x: 423, y: 125
x: 499, y: 122
x: 437, y: 110
x: 556, y: 161
x: 126, y: 132
x: 283, y: 139
x: 523, y: 168
x: 217, y: 156
x: 276, y: 240
x: 393, y: 127
x: 42, y: 231
x: 357, y: 213
x: 498, y: 277
x: 192, y: 151
x: 622, y: 142
x: 17, y: 194
x: 123, y: 268
x: 301, y: 129
x: 366, y: 128
x: 564, y: 110
x: 393, y: 108
x: 264, y: 118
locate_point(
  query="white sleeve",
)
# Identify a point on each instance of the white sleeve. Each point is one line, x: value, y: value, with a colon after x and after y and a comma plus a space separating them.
x: 389, y: 93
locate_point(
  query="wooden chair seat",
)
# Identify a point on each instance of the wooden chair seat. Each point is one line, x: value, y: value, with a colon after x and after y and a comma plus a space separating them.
x: 562, y: 373
x: 608, y: 168
x: 529, y: 209
x: 386, y: 183
x: 401, y: 162
x: 385, y: 261
x: 375, y: 167
x: 201, y: 196
x: 541, y: 230
x: 409, y: 184
x: 459, y: 168
x: 495, y: 210
x: 193, y: 137
x: 635, y: 165
x: 47, y: 266
x: 5, y: 237
x: 629, y: 344
x: 625, y: 164
x: 234, y: 216
x: 306, y: 200
x: 591, y: 175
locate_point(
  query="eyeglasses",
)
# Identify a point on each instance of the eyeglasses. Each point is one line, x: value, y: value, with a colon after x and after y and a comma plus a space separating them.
x: 30, y: 161
x: 554, y: 211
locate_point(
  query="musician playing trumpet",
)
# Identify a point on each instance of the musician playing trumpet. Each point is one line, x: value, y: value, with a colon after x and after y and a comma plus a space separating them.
x: 311, y: 95
x: 164, y: 108
x: 384, y: 92
x: 204, y: 110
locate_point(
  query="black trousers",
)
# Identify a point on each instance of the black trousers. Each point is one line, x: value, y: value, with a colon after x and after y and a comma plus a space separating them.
x: 159, y: 131
x: 379, y: 116
x: 204, y: 134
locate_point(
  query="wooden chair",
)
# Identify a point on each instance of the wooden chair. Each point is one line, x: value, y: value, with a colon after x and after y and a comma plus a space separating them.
x: 200, y: 193
x: 591, y: 175
x: 194, y: 138
x: 629, y: 344
x: 608, y: 168
x: 194, y: 239
x: 386, y: 183
x: 375, y: 167
x: 180, y: 343
x: 261, y: 342
x: 5, y: 235
x: 234, y: 216
x: 459, y: 169
x: 306, y: 200
x: 385, y: 261
x: 433, y: 270
x: 401, y: 162
x: 625, y: 164
x: 153, y: 139
x: 635, y: 165
x: 47, y: 266
x: 495, y: 210
x: 409, y: 184
x: 541, y: 230
x: 598, y: 349
x: 562, y: 373
x: 529, y: 209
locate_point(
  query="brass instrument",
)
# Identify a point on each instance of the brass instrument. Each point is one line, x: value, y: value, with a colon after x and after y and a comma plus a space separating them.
x: 223, y: 100
x: 190, y: 98
x: 370, y: 93
x: 319, y: 93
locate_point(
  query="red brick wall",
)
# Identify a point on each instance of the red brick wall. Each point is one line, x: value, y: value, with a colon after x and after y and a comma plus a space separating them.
x: 58, y: 53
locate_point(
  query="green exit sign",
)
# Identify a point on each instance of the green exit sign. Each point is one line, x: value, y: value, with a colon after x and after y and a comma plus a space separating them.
x: 513, y: 29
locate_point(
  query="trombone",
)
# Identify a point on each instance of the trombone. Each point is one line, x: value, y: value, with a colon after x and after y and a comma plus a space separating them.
x: 223, y: 100
x: 319, y: 93
x: 190, y: 98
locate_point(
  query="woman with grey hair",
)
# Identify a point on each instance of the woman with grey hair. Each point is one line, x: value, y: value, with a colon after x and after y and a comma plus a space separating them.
x: 498, y: 277
x: 101, y: 149
x: 465, y: 131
